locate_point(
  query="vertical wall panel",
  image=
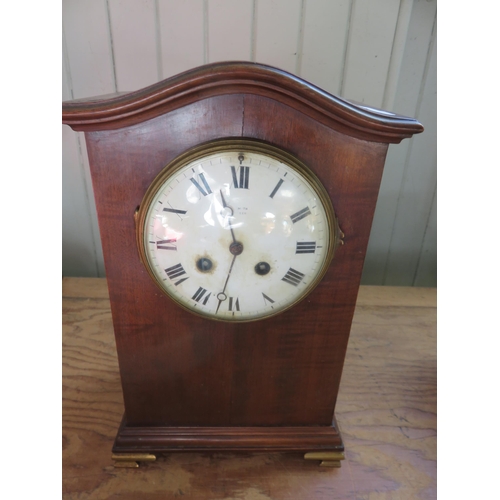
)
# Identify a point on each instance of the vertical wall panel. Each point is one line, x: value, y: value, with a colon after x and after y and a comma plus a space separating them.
x: 427, y: 264
x: 326, y: 26
x: 78, y: 249
x: 397, y: 54
x: 277, y: 33
x: 133, y: 35
x: 373, y: 52
x: 416, y: 52
x: 67, y: 92
x: 230, y: 30
x: 89, y: 48
x: 419, y: 182
x: 81, y: 247
x: 182, y: 35
x: 406, y: 102
x: 371, y: 36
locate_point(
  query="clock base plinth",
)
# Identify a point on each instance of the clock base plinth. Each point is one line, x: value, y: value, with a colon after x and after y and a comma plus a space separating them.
x: 167, y: 439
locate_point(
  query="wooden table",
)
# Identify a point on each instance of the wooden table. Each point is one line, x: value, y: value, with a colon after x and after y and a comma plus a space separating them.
x: 386, y: 412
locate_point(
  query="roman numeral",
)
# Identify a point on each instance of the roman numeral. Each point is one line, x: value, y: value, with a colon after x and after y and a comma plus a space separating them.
x: 300, y: 215
x: 244, y: 177
x: 305, y: 247
x: 175, y: 272
x: 275, y: 190
x: 235, y: 303
x: 164, y: 244
x: 293, y: 277
x: 175, y: 211
x: 205, y: 183
x: 267, y: 299
x: 199, y: 295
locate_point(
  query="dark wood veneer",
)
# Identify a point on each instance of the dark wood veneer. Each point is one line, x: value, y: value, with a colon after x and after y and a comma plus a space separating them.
x: 169, y: 438
x: 238, y: 78
x: 194, y: 383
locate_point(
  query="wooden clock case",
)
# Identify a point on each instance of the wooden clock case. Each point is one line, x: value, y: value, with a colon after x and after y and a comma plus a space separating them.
x: 191, y: 383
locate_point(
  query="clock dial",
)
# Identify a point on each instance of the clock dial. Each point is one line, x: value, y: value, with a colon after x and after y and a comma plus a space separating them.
x: 236, y: 231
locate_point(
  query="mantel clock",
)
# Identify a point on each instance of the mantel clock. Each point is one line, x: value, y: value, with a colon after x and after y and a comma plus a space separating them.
x: 235, y: 203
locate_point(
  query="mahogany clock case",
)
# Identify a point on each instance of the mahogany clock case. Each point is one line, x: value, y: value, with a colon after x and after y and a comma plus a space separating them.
x: 195, y: 383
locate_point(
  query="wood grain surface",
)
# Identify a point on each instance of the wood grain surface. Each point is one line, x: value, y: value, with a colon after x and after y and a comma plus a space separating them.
x: 386, y: 411
x: 227, y: 78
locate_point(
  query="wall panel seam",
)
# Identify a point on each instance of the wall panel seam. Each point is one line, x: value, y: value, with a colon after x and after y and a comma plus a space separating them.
x: 112, y: 52
x: 69, y: 78
x: 410, y: 147
x: 300, y: 39
x: 428, y: 57
x: 206, y: 55
x: 159, y: 56
x: 419, y: 103
x: 253, y: 32
x: 424, y: 236
x: 397, y: 53
x: 346, y: 49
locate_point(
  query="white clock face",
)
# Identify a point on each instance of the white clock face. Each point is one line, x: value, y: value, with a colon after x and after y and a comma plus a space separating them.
x: 236, y: 234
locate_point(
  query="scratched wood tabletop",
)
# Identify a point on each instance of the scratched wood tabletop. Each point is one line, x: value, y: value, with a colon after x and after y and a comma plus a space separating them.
x: 386, y: 411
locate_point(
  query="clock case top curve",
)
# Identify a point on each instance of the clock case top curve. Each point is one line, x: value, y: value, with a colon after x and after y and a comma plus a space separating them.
x: 125, y: 109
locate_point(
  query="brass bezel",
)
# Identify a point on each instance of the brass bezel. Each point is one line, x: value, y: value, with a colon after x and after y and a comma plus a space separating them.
x: 238, y: 145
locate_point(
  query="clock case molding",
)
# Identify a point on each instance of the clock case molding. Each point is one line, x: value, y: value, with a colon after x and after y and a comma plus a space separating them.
x: 191, y: 383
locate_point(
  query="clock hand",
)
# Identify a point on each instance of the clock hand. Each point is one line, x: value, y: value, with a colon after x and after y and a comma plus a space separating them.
x: 236, y: 248
x: 229, y: 214
x: 224, y: 204
x: 224, y: 296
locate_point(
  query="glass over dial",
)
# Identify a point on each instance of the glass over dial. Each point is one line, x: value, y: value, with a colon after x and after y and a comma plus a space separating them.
x: 236, y: 231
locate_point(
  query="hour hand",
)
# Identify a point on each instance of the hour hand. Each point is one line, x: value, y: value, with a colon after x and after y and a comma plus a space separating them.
x: 227, y: 211
x: 224, y: 204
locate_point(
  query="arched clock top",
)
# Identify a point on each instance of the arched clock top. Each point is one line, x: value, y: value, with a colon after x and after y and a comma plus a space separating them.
x: 217, y: 79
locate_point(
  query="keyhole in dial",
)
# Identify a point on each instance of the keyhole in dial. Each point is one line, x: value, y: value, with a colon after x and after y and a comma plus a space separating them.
x: 262, y: 268
x: 204, y: 265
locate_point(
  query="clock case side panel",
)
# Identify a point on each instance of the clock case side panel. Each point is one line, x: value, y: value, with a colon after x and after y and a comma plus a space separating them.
x: 123, y: 164
x: 351, y: 170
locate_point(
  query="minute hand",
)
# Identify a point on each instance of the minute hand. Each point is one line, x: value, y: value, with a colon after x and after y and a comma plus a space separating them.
x: 225, y: 205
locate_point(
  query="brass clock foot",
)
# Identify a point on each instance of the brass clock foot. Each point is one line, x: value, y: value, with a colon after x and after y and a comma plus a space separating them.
x: 328, y: 458
x: 130, y: 460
